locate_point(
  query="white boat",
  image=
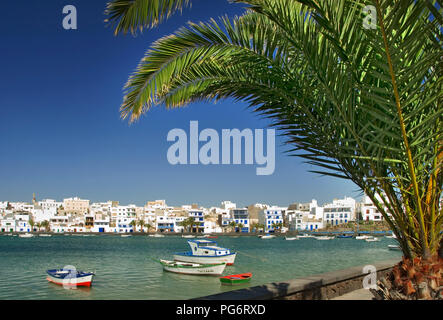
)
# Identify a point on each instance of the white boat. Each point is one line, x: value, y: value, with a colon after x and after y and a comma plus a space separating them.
x: 363, y: 237
x: 193, y: 268
x: 188, y: 236
x: 156, y: 235
x: 291, y: 238
x: 305, y: 236
x: 394, y: 247
x: 45, y: 235
x: 206, y: 252
x: 268, y: 236
x: 393, y: 236
x: 26, y: 235
x: 372, y: 240
x: 324, y: 238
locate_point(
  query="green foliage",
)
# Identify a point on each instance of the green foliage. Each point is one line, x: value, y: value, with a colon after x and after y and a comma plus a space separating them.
x: 133, y: 15
x: 360, y: 104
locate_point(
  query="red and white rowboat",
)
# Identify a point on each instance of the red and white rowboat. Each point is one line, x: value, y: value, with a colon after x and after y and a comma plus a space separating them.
x: 72, y: 278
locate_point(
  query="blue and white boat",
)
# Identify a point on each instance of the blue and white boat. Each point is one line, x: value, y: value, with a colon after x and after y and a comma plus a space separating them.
x: 66, y: 277
x: 206, y: 252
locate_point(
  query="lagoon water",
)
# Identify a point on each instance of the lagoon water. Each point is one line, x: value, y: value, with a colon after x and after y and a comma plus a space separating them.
x: 125, y: 268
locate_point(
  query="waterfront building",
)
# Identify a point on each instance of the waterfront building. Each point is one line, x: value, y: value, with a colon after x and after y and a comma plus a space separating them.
x: 59, y: 224
x: 22, y: 222
x: 124, y: 215
x: 7, y: 223
x: 369, y: 211
x: 339, y: 211
x: 165, y: 223
x: 271, y: 216
x: 199, y: 219
x: 241, y: 216
x: 101, y: 223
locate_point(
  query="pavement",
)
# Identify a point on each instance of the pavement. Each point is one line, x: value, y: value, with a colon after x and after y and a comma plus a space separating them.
x: 360, y: 294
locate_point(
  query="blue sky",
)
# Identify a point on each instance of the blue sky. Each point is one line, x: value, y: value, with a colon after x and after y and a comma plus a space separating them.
x: 61, y: 134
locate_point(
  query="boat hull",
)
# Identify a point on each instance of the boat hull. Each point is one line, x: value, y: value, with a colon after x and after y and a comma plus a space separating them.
x: 203, y: 269
x: 236, y: 279
x: 185, y: 257
x: 73, y: 282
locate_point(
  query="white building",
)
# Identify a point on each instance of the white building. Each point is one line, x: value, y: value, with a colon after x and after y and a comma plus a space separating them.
x: 101, y: 223
x: 199, y: 219
x: 339, y: 211
x: 241, y: 216
x: 271, y: 216
x: 7, y: 224
x: 22, y: 223
x: 228, y: 205
x: 369, y: 211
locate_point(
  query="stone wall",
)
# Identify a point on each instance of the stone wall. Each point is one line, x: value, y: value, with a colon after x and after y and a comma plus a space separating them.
x: 316, y: 287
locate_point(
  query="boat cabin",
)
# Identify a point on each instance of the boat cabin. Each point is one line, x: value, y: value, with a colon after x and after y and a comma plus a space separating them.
x: 207, y: 248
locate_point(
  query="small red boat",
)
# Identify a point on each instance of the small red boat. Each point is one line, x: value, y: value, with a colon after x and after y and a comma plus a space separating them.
x: 236, y: 278
x: 212, y: 237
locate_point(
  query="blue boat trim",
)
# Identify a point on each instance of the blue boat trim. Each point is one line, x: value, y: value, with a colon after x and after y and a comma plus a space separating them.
x: 189, y: 253
x: 79, y: 274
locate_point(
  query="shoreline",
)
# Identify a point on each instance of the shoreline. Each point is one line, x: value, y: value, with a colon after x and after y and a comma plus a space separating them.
x: 229, y: 234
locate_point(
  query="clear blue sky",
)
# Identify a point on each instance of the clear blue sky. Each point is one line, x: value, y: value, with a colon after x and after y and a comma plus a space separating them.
x: 60, y: 131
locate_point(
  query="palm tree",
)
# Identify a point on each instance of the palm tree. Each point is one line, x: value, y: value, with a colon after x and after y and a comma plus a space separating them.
x: 277, y: 226
x: 133, y: 223
x: 360, y: 102
x: 187, y: 224
x: 239, y: 227
x: 32, y: 224
x: 232, y: 225
x: 141, y: 224
x: 148, y: 226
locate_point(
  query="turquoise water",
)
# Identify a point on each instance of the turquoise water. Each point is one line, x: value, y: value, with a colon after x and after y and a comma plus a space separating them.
x: 125, y: 269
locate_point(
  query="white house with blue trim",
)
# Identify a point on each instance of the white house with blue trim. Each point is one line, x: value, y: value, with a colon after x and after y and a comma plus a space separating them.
x: 199, y: 218
x: 240, y: 216
x: 271, y: 216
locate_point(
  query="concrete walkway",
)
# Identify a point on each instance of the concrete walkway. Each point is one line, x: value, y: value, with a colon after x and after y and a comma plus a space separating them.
x: 360, y: 294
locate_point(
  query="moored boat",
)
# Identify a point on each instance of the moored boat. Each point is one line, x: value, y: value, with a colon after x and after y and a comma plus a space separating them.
x: 306, y: 236
x: 45, y: 235
x: 236, y: 279
x: 394, y: 247
x: 372, y: 240
x: 26, y: 235
x: 206, y: 252
x: 268, y: 236
x: 342, y: 236
x: 193, y: 268
x: 363, y: 237
x: 324, y: 238
x: 291, y: 238
x: 188, y: 236
x: 70, y: 277
x: 156, y: 235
